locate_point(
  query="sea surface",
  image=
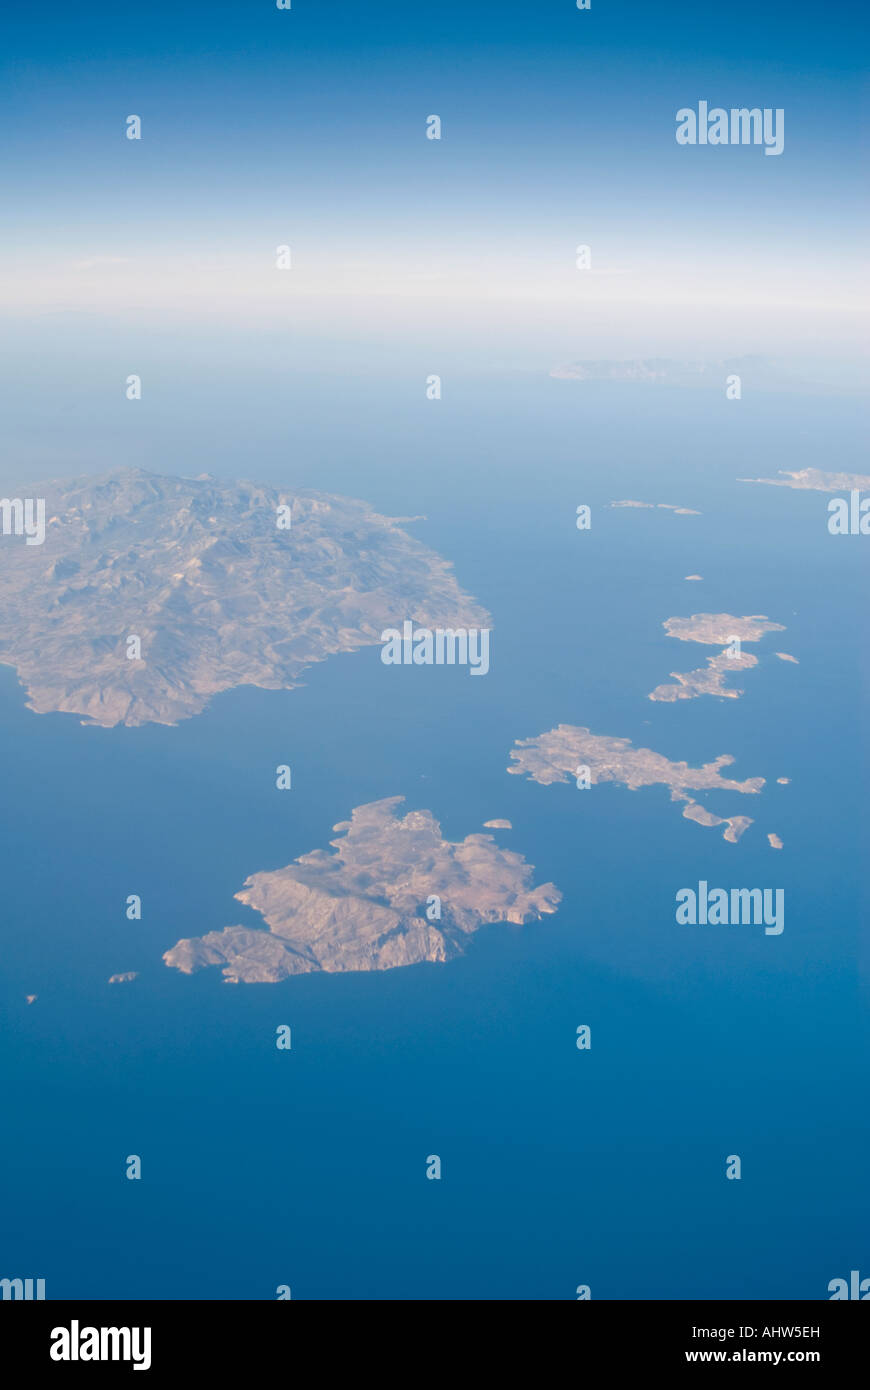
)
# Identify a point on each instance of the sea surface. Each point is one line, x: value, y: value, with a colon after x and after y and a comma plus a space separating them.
x: 560, y: 1167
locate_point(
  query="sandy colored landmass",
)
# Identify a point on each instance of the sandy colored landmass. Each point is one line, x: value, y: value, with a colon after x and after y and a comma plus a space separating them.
x: 124, y: 977
x: 710, y: 628
x: 558, y: 756
x: 735, y: 825
x: 666, y: 370
x: 715, y: 628
x: 497, y: 825
x: 706, y: 680
x: 218, y: 594
x: 552, y: 756
x: 652, y: 506
x: 815, y: 480
x: 757, y: 373
x: 775, y: 841
x: 783, y: 781
x: 31, y: 998
x: 365, y: 906
x: 649, y: 369
x: 784, y: 656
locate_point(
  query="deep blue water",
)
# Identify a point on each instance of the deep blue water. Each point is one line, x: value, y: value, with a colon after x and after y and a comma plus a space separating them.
x: 560, y: 1167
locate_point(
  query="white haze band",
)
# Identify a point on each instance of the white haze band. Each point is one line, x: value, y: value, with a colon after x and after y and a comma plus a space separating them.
x: 449, y: 646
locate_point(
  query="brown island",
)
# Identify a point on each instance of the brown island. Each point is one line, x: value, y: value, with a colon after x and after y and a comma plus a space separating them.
x: 220, y: 583
x: 571, y: 752
x: 393, y: 893
x: 713, y: 629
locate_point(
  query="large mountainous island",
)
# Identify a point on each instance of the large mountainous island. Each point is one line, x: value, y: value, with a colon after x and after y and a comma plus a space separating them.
x: 222, y: 583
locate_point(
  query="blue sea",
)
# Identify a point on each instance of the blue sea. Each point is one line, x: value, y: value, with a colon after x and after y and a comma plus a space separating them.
x: 560, y: 1167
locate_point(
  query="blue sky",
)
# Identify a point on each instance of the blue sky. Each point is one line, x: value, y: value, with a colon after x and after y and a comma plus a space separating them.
x: 264, y: 127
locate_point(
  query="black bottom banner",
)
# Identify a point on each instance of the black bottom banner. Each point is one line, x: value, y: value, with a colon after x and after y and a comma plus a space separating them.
x: 66, y: 1338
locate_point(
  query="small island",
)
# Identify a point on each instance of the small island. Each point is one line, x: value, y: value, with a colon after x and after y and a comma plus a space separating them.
x: 657, y: 506
x: 394, y: 893
x: 713, y: 629
x: 573, y: 753
x: 815, y: 480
